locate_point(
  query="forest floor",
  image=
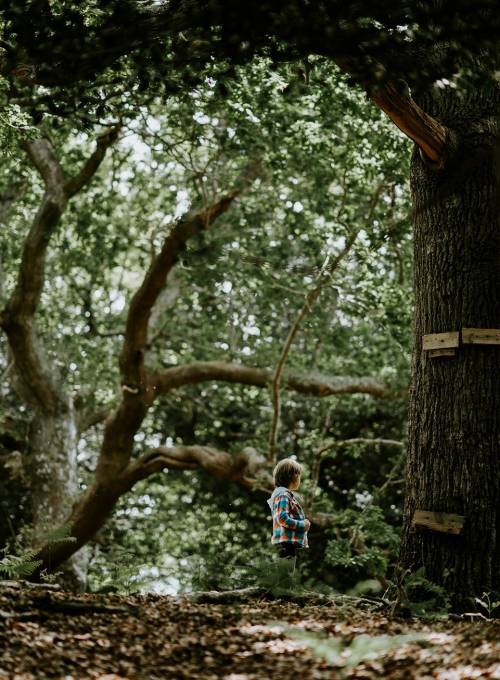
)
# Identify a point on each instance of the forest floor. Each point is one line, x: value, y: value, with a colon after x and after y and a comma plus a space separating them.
x: 46, y: 633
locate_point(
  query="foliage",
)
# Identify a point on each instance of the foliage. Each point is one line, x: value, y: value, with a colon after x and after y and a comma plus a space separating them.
x: 420, y: 595
x: 369, y: 543
x: 24, y: 562
x: 489, y: 603
x: 17, y: 566
x: 15, y: 123
x: 232, y: 297
x: 361, y: 648
x: 279, y: 576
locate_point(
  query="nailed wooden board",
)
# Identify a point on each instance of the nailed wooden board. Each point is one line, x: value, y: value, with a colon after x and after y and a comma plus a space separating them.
x: 447, y: 352
x: 438, y: 521
x: 441, y: 340
x: 481, y: 336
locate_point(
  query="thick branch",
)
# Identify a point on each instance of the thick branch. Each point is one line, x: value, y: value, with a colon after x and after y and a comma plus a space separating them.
x: 240, y: 467
x: 154, y: 280
x: 137, y: 386
x: 313, y: 383
x: 37, y: 381
x: 36, y: 377
x: 132, y: 354
x: 97, y: 503
x: 31, y: 273
x: 247, y: 468
x: 432, y: 137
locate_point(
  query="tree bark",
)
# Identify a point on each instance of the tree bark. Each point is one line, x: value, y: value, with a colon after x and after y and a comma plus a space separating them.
x: 453, y: 463
x: 52, y: 471
x: 50, y: 463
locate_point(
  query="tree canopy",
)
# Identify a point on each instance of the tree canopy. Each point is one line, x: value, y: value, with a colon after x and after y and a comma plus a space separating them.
x: 206, y: 253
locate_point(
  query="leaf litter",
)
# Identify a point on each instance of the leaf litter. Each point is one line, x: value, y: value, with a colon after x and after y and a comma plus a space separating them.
x: 63, y: 636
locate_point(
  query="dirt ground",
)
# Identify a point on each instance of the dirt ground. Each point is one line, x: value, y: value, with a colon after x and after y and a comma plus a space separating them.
x: 51, y: 634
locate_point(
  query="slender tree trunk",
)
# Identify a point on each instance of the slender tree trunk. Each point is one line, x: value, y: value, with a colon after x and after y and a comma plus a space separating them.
x: 52, y: 469
x: 51, y: 466
x: 453, y: 461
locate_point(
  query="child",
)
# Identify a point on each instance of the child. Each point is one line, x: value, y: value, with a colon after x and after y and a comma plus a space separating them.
x: 290, y: 525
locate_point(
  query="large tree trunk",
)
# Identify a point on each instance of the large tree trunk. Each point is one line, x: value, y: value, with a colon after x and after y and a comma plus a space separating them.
x: 454, y: 427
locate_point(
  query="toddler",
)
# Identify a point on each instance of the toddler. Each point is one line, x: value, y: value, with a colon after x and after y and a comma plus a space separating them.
x: 290, y: 525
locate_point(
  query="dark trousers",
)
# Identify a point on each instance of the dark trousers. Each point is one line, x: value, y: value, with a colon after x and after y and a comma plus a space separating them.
x: 288, y: 551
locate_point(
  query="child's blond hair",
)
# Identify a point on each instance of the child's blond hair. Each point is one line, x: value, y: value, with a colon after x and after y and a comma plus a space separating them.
x: 286, y: 471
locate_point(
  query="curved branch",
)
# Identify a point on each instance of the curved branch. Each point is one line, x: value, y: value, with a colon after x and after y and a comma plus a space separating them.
x: 132, y: 354
x: 137, y: 386
x: 36, y: 377
x: 314, y: 384
x: 91, y: 165
x: 240, y: 467
x: 247, y: 468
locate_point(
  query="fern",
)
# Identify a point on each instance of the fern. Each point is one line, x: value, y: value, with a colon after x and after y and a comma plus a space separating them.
x: 23, y: 564
x: 18, y: 566
x: 59, y: 535
x: 277, y: 577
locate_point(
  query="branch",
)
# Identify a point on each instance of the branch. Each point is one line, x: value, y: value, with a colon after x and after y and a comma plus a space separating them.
x: 37, y: 380
x: 104, y: 141
x: 432, y: 137
x: 241, y: 467
x: 137, y: 385
x: 132, y: 354
x: 357, y: 441
x: 313, y: 383
x: 324, y: 279
x: 87, y: 419
x: 247, y: 468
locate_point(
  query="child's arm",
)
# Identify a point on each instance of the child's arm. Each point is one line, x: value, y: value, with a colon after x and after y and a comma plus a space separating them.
x: 284, y: 517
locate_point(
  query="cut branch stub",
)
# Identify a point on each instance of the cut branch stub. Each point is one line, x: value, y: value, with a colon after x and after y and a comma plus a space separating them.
x: 438, y: 521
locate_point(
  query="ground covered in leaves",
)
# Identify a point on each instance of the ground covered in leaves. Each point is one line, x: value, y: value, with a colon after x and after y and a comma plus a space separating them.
x: 51, y: 634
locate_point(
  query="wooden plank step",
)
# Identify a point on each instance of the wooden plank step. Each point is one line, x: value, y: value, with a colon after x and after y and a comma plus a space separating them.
x: 441, y: 340
x: 481, y: 336
x: 447, y: 352
x: 438, y: 521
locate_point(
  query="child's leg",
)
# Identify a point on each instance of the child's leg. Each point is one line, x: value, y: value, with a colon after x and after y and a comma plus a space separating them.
x: 288, y: 551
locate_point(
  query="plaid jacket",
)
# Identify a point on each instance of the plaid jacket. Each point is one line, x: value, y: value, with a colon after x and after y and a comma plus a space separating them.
x: 288, y: 518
